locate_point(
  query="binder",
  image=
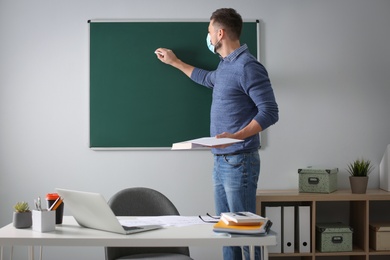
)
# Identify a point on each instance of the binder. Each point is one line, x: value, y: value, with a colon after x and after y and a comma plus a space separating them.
x: 288, y: 229
x: 274, y: 214
x: 304, y: 229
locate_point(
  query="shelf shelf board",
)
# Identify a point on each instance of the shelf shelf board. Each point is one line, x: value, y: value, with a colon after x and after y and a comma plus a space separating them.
x: 339, y: 195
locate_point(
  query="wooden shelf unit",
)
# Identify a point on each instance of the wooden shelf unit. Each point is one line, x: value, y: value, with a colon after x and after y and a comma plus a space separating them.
x: 356, y: 210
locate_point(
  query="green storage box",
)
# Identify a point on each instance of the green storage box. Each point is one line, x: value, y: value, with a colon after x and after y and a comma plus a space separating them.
x: 333, y: 237
x: 318, y: 180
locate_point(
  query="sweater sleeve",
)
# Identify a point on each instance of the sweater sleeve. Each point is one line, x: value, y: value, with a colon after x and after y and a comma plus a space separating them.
x: 203, y: 77
x: 257, y: 85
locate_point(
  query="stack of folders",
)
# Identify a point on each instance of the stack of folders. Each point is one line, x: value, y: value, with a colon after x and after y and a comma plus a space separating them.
x: 242, y: 223
x: 285, y: 225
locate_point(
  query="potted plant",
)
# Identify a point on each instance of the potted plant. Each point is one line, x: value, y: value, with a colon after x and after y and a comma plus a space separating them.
x: 22, y: 217
x: 359, y: 171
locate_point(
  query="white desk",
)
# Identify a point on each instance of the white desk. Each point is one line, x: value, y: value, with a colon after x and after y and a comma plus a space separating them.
x: 71, y: 234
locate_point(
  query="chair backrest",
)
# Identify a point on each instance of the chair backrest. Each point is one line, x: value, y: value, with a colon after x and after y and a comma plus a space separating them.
x: 140, y: 201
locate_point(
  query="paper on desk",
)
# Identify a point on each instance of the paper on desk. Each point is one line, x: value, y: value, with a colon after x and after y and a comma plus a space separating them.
x: 165, y: 221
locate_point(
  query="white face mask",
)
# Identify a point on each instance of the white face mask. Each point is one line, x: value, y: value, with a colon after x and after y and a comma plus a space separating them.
x: 209, y: 44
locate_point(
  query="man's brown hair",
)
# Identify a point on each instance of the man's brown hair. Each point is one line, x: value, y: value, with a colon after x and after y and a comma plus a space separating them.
x: 229, y: 20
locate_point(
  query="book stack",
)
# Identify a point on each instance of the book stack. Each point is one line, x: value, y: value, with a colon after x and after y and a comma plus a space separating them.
x: 242, y: 223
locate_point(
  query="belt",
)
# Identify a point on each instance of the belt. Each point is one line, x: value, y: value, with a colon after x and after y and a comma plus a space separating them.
x: 227, y: 154
x: 236, y: 153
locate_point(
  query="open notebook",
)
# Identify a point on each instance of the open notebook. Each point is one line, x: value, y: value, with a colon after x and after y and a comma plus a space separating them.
x: 92, y: 211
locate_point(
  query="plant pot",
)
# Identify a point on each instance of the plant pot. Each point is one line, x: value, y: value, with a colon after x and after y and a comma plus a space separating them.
x: 358, y: 184
x: 22, y: 219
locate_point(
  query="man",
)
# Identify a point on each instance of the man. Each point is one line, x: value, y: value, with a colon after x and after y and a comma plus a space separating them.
x: 243, y: 105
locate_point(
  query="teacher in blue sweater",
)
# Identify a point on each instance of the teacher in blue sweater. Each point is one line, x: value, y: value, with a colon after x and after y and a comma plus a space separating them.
x: 243, y: 105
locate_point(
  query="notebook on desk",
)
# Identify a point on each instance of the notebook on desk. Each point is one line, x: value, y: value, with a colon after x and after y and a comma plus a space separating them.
x: 91, y: 210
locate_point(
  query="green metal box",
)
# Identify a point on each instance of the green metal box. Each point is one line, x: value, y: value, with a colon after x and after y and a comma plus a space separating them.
x: 333, y: 237
x: 318, y: 180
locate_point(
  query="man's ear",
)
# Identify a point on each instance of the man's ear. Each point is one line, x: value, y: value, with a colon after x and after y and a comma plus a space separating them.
x: 221, y: 33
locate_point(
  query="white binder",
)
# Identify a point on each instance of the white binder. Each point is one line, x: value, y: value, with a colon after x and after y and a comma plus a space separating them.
x: 384, y: 170
x: 274, y: 214
x: 304, y: 229
x: 288, y: 229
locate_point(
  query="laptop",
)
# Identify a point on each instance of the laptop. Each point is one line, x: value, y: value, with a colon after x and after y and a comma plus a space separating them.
x: 91, y: 210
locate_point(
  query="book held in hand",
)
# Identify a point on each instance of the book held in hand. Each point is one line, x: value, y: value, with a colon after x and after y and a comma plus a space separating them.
x: 204, y: 142
x: 243, y: 217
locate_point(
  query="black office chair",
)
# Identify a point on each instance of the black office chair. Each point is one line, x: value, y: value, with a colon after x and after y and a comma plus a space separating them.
x: 144, y: 202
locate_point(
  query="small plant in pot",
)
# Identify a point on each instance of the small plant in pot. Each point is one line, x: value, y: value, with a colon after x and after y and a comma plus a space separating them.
x: 22, y: 217
x: 359, y: 171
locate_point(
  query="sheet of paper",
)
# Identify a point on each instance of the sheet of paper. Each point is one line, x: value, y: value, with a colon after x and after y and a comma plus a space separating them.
x: 165, y: 221
x: 204, y: 142
x: 212, y: 141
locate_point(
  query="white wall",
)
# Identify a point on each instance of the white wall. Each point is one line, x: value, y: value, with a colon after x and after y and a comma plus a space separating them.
x: 328, y: 61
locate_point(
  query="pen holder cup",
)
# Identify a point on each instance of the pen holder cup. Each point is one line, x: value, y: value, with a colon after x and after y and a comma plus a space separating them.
x: 43, y: 221
x: 51, y: 198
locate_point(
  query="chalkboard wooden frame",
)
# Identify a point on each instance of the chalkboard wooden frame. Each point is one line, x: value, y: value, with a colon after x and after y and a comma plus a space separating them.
x: 136, y: 101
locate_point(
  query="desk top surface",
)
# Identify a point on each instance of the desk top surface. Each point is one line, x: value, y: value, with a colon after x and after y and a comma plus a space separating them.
x: 71, y: 234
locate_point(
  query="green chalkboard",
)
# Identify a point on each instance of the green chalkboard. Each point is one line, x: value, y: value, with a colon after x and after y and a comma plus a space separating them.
x: 136, y: 101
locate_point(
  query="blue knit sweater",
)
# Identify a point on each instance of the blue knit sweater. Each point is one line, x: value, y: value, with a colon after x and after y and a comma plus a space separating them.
x: 242, y: 91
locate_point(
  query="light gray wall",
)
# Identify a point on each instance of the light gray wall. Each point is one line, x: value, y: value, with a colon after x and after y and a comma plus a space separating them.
x: 329, y: 62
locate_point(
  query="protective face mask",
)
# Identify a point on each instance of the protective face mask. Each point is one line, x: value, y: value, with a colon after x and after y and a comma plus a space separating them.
x: 209, y: 45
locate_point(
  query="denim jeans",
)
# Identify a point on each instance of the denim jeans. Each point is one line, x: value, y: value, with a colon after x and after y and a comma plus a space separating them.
x: 235, y: 183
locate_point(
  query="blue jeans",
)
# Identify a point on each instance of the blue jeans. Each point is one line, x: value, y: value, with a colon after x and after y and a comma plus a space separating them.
x: 235, y: 183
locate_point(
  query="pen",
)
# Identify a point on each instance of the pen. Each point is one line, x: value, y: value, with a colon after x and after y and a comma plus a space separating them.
x: 38, y: 204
